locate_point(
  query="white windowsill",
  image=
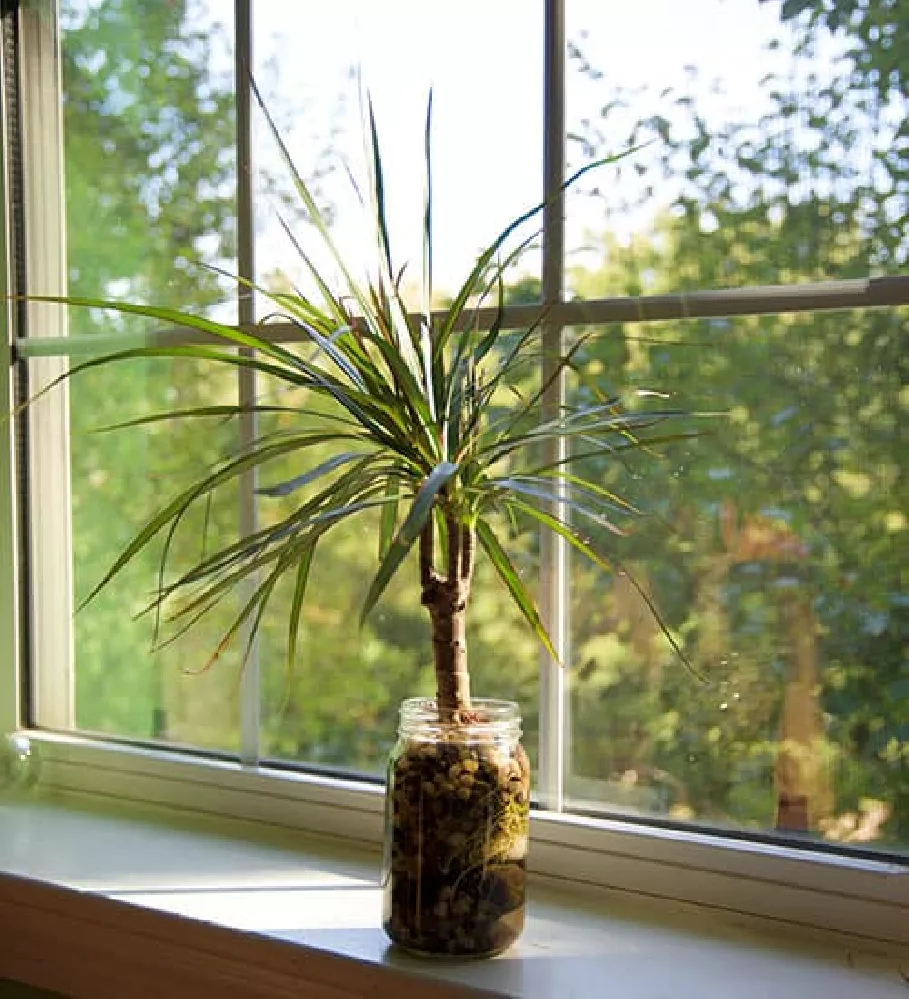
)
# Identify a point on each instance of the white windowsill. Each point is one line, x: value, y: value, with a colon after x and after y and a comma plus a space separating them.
x: 208, y: 908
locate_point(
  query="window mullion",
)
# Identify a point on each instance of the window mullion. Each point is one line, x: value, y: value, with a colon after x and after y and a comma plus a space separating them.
x: 755, y: 300
x: 553, y: 549
x: 249, y: 688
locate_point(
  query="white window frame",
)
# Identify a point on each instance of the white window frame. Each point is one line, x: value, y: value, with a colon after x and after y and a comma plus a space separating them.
x: 820, y: 892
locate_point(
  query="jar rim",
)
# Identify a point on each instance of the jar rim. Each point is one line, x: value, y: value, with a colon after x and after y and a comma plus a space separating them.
x: 490, y: 709
x: 488, y: 715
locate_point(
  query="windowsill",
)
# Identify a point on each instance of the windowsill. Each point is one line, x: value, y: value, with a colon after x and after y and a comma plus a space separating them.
x: 207, y: 907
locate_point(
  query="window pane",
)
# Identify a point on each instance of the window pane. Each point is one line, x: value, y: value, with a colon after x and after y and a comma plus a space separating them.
x: 339, y: 705
x: 774, y: 548
x: 769, y: 150
x: 484, y: 64
x: 150, y: 196
x: 149, y: 154
x: 119, y: 481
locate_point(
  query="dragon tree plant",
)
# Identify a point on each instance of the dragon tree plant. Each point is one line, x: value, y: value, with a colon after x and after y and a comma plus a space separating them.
x: 410, y: 413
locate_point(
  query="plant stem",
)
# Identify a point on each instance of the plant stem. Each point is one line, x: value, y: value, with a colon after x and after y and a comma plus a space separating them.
x: 445, y: 597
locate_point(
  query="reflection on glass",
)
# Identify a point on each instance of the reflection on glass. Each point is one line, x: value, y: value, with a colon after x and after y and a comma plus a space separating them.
x: 774, y: 548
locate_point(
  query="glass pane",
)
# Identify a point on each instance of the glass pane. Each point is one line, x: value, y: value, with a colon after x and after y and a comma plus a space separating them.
x: 774, y: 548
x: 149, y: 126
x: 769, y: 148
x: 483, y: 63
x: 150, y: 197
x: 338, y: 705
x: 119, y: 481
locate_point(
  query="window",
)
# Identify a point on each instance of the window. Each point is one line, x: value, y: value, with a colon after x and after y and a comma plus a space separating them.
x: 746, y: 258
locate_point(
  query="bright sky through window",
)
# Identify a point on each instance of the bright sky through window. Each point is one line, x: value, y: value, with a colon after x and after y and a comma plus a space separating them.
x: 484, y: 62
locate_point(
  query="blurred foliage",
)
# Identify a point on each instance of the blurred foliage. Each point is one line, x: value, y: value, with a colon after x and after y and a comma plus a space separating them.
x: 777, y: 544
x: 774, y: 545
x: 878, y: 33
x: 150, y: 180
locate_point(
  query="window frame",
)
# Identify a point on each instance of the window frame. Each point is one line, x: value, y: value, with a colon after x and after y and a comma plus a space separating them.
x: 856, y: 898
x: 51, y: 693
x: 10, y: 693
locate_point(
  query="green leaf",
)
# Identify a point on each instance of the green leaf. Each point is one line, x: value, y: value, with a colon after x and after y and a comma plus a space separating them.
x: 473, y: 279
x: 178, y: 506
x: 197, y: 412
x: 581, y: 545
x: 564, y: 530
x: 199, y: 353
x: 256, y: 557
x: 299, y: 481
x: 333, y: 304
x: 588, y: 486
x: 419, y: 513
x: 556, y: 496
x: 256, y: 603
x: 296, y: 608
x: 378, y: 188
x: 654, y: 610
x: 399, y: 333
x: 472, y: 344
x: 176, y: 317
x: 509, y: 576
x: 389, y: 519
x: 516, y: 418
x: 427, y: 214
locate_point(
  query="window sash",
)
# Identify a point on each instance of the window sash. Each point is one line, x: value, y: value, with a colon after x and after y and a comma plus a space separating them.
x: 49, y: 347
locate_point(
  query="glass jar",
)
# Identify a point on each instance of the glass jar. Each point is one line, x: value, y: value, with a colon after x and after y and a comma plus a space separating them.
x: 456, y: 830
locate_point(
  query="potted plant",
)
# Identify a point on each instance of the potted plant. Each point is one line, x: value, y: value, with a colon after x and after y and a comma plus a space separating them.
x: 413, y: 413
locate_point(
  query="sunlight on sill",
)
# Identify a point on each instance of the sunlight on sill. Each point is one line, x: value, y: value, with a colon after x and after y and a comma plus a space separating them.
x: 328, y: 903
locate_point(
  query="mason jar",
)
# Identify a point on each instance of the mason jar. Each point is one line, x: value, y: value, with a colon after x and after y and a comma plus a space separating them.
x: 456, y: 830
